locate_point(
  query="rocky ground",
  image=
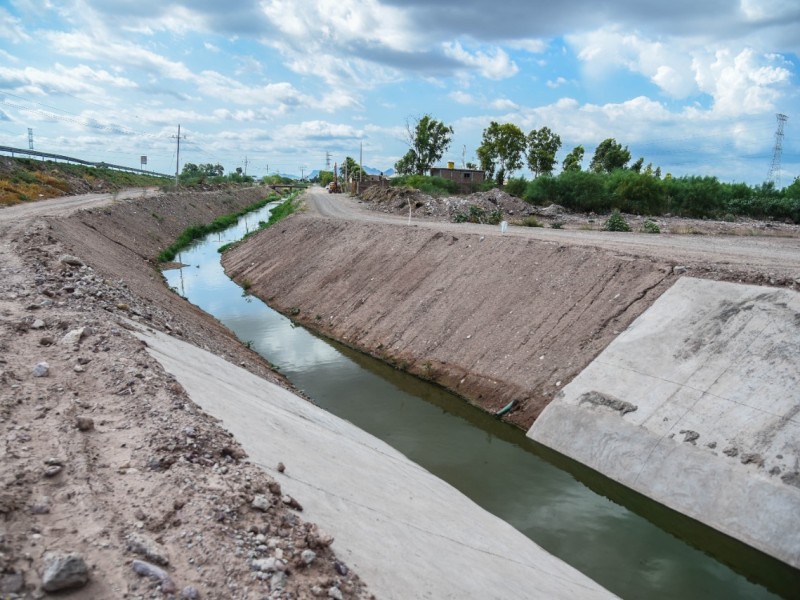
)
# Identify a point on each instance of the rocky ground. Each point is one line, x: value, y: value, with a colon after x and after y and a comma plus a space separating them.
x: 396, y: 200
x: 114, y: 484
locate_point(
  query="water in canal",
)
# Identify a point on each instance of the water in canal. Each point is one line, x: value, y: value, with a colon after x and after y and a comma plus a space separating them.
x: 633, y: 547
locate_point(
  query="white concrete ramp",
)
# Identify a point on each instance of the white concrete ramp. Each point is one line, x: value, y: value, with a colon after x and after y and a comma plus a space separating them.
x: 696, y: 406
x: 407, y: 533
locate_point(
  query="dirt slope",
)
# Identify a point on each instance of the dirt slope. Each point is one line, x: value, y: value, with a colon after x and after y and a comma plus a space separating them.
x: 493, y: 318
x: 104, y: 455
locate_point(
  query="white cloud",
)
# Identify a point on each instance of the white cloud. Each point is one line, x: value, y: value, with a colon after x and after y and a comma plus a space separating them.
x: 610, y: 48
x: 494, y: 64
x: 11, y: 28
x: 738, y: 80
x: 461, y: 97
x: 557, y: 83
x: 503, y: 104
x: 741, y: 83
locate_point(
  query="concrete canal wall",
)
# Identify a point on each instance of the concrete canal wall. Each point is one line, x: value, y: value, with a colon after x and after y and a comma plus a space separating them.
x: 696, y: 406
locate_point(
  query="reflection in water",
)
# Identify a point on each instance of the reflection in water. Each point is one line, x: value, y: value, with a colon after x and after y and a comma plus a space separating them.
x: 489, y: 461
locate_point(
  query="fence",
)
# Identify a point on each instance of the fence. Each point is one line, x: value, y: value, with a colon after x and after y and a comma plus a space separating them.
x: 69, y: 159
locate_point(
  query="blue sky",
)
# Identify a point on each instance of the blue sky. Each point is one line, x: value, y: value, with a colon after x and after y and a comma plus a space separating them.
x: 693, y: 87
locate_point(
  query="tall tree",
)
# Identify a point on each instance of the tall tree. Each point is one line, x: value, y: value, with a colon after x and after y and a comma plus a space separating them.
x: 573, y: 160
x: 350, y: 169
x: 429, y: 139
x: 542, y: 147
x: 609, y: 156
x: 501, y: 150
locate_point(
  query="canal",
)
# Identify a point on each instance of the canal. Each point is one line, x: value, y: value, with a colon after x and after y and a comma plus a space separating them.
x: 630, y: 545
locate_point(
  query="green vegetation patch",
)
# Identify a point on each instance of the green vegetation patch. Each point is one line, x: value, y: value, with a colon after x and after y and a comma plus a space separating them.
x: 195, y: 232
x: 433, y: 186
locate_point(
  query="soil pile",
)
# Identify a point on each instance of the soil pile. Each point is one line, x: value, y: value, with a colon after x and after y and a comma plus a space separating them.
x: 114, y: 484
x: 396, y: 200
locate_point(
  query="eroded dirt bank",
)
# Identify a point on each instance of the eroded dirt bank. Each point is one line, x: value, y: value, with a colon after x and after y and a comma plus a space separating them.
x: 113, y: 484
x: 493, y: 318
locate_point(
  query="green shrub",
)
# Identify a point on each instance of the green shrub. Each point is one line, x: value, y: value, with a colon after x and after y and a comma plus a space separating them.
x: 531, y: 221
x: 616, y: 222
x: 516, y: 186
x: 435, y: 186
x: 650, y: 227
x: 556, y: 225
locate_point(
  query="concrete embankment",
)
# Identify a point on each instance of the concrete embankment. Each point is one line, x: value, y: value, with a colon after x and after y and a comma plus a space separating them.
x: 406, y: 532
x: 696, y: 405
x: 492, y: 318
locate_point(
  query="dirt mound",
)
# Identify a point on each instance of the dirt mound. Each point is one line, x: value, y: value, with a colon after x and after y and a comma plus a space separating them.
x: 396, y: 200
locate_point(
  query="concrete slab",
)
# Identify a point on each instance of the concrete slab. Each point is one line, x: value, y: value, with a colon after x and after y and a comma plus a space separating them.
x: 407, y: 533
x: 696, y: 406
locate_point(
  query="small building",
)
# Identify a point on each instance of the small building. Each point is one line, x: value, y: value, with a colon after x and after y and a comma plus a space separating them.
x: 465, y: 178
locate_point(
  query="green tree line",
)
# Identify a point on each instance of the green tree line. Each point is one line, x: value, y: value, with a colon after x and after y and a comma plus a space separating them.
x: 611, y: 182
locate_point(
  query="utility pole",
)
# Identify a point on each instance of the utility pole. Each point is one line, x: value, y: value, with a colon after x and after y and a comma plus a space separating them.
x: 775, y: 169
x: 302, y: 172
x: 177, y: 154
x: 30, y: 138
x: 245, y: 166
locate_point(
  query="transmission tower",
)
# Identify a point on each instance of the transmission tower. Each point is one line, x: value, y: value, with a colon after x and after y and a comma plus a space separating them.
x: 30, y: 138
x: 775, y: 169
x: 327, y: 160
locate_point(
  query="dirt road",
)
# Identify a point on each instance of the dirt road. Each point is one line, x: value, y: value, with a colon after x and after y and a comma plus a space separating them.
x: 68, y: 204
x: 779, y: 256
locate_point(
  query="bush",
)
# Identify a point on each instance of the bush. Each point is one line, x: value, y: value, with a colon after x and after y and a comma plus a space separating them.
x: 650, y: 227
x: 516, y: 186
x: 435, y: 186
x: 616, y: 222
x: 531, y: 221
x: 556, y: 225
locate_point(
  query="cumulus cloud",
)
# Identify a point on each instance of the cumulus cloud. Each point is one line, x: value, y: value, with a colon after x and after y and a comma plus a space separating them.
x: 743, y: 82
x: 494, y: 64
x: 738, y: 81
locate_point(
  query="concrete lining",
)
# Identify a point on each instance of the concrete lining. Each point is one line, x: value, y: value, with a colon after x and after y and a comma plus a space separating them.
x: 407, y: 533
x: 696, y: 406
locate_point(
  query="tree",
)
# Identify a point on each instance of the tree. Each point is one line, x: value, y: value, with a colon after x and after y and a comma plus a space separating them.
x: 325, y: 177
x: 609, y: 156
x: 501, y: 150
x: 350, y: 169
x: 637, y: 166
x: 573, y: 160
x: 428, y: 139
x: 405, y: 166
x: 190, y: 170
x: 542, y: 147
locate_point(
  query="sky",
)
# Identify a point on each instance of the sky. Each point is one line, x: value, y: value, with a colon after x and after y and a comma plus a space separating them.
x: 693, y: 87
